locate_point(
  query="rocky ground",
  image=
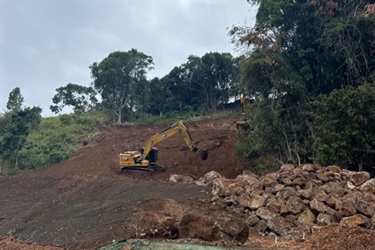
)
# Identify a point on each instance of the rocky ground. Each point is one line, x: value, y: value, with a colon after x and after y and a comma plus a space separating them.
x: 86, y: 202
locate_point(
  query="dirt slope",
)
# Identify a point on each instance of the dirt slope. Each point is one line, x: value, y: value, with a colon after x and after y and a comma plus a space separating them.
x: 86, y: 201
x: 100, y: 156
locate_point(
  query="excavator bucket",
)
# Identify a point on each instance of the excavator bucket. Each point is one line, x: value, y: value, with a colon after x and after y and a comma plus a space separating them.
x: 203, y: 154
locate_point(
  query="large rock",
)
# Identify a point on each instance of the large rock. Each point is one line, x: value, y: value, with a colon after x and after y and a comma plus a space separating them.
x: 324, y: 219
x: 322, y: 176
x: 287, y: 167
x: 210, y: 177
x: 368, y: 186
x: 364, y: 207
x: 181, y: 179
x: 198, y: 226
x: 252, y: 219
x: 356, y: 220
x: 308, y: 167
x: 269, y: 180
x: 232, y: 228
x: 224, y: 187
x: 307, y: 217
x: 257, y: 201
x: 298, y: 180
x: 334, y: 189
x: 265, y: 214
x: 358, y: 178
x: 157, y: 225
x: 347, y: 208
x: 295, y: 205
x: 321, y: 195
x: 279, y: 225
x: 321, y: 207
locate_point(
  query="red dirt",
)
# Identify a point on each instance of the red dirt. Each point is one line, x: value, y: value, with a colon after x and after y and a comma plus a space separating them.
x: 100, y: 157
x: 85, y: 202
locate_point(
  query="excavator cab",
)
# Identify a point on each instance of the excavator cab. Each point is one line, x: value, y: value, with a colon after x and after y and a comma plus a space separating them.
x: 145, y: 158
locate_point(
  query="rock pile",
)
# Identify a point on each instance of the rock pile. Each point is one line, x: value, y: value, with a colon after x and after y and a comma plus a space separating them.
x: 294, y: 201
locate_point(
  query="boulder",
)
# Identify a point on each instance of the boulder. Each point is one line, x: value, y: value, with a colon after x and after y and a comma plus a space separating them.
x: 244, y: 200
x: 307, y: 217
x: 322, y: 176
x: 347, y: 208
x: 257, y: 201
x: 324, y: 219
x: 224, y: 187
x: 368, y: 186
x: 252, y: 219
x: 320, y: 207
x: 287, y: 167
x: 308, y: 167
x: 181, y: 179
x: 365, y: 208
x: 334, y: 169
x: 320, y: 195
x: 358, y: 178
x: 295, y: 205
x: 210, y: 176
x: 232, y: 228
x: 265, y: 214
x: 198, y: 226
x: 356, y: 220
x: 279, y: 225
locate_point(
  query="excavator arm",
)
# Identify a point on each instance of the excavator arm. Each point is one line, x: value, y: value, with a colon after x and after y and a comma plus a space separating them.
x: 168, y: 132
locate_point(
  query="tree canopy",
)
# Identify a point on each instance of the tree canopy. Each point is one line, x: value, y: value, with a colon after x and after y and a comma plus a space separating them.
x: 300, y: 50
x: 81, y: 98
x: 117, y: 77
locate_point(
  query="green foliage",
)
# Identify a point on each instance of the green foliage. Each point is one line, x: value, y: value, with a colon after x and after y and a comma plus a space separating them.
x: 301, y: 50
x: 81, y: 98
x: 17, y: 125
x: 201, y: 84
x: 57, y: 138
x: 344, y: 132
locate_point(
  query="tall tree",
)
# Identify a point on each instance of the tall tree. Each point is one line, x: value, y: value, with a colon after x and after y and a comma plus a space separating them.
x: 15, y: 126
x: 15, y: 100
x: 116, y: 77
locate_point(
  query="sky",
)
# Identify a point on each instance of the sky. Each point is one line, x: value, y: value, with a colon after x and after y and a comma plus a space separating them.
x: 46, y: 44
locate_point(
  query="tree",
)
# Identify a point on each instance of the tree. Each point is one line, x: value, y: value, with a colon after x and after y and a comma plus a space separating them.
x: 299, y: 50
x: 15, y: 100
x: 116, y: 77
x: 15, y: 133
x: 344, y: 131
x: 81, y: 98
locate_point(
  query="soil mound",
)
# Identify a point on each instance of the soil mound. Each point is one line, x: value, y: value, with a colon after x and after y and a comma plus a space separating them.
x: 337, y: 236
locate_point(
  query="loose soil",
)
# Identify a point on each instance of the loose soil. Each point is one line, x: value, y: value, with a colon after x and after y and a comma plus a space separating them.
x: 86, y: 202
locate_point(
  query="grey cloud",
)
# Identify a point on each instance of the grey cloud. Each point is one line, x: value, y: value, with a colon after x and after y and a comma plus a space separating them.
x: 47, y: 44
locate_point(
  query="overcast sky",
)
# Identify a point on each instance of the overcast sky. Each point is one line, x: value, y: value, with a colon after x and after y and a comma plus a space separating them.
x: 46, y: 44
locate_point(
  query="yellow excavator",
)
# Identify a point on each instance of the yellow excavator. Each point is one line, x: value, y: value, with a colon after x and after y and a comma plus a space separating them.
x: 245, y: 123
x: 145, y: 159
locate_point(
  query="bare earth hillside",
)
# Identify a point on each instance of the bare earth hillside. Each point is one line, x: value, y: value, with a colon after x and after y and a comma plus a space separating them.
x: 86, y: 203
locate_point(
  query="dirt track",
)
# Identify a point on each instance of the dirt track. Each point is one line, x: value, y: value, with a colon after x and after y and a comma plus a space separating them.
x: 86, y: 202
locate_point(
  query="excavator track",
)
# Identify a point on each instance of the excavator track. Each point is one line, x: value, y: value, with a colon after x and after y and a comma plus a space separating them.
x: 151, y: 168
